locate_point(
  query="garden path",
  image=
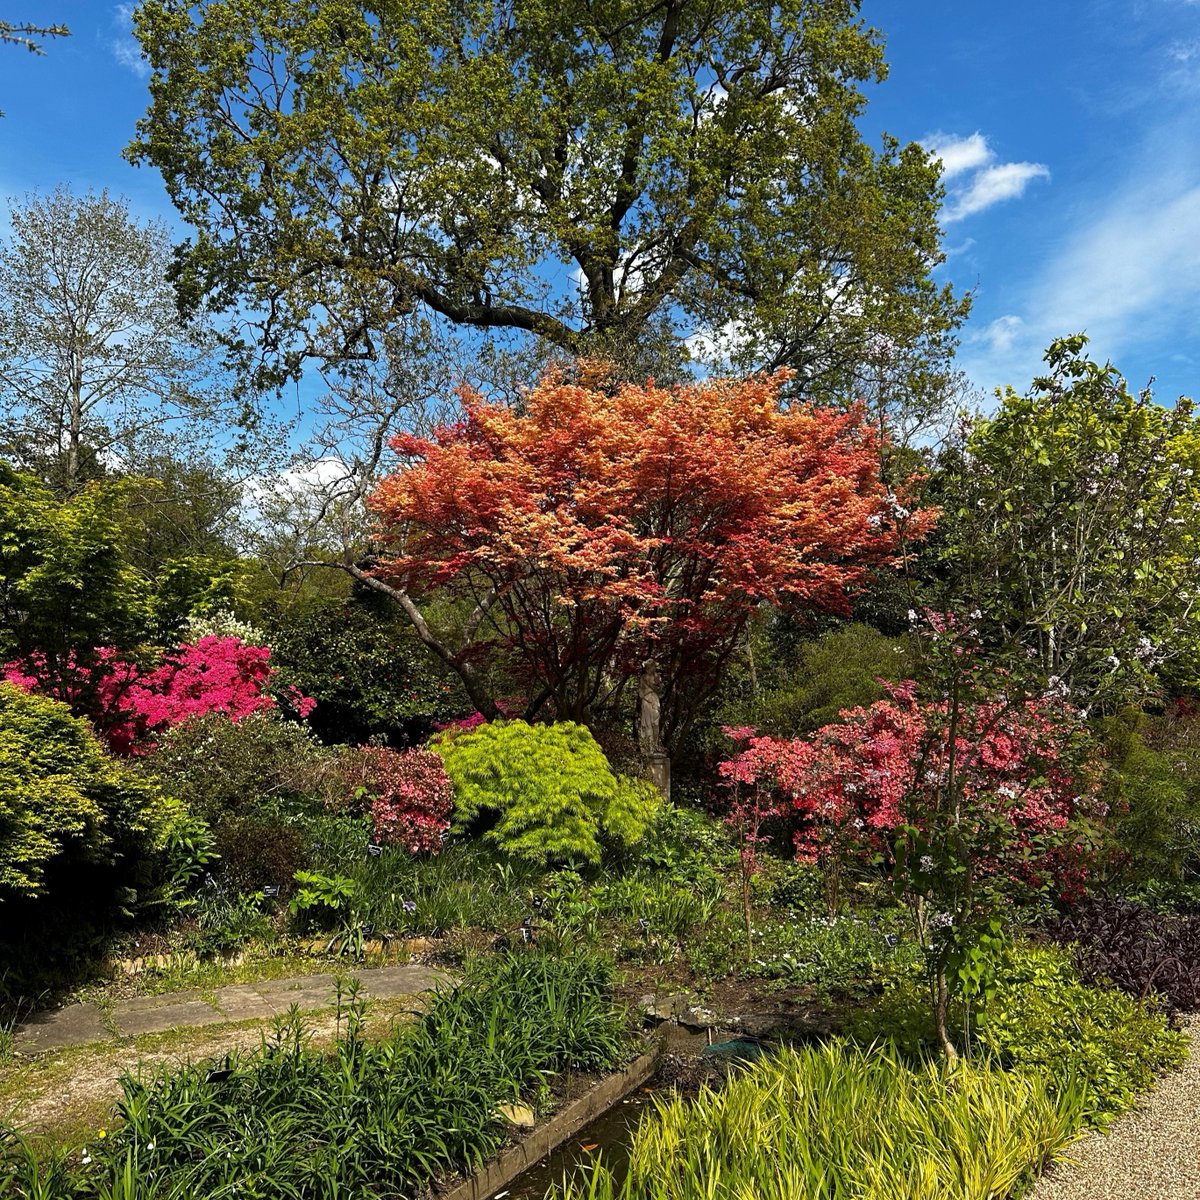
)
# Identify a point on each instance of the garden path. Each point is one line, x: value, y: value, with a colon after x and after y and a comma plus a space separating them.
x: 1151, y: 1153
x: 85, y: 1024
x: 66, y: 1073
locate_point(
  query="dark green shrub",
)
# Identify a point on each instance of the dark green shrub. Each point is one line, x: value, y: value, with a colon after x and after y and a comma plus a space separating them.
x: 685, y: 844
x: 65, y: 803
x: 545, y: 793
x: 218, y: 766
x: 86, y: 844
x: 1153, y: 795
x: 260, y: 851
x: 367, y: 671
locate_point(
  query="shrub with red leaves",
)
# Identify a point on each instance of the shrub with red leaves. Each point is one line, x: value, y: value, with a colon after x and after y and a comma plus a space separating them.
x: 408, y: 795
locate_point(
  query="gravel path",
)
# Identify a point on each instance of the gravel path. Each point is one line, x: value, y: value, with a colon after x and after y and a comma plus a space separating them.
x: 1151, y: 1153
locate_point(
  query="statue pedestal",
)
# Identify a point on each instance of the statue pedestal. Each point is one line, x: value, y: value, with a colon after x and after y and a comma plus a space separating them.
x: 658, y: 768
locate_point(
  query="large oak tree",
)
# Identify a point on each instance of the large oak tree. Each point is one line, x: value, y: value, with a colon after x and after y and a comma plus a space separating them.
x: 593, y: 174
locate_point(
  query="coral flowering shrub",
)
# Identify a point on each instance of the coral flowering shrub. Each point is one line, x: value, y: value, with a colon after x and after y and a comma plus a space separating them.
x: 852, y: 785
x: 408, y: 794
x: 132, y: 706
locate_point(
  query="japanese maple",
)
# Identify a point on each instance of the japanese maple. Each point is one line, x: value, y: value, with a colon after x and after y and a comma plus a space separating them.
x: 597, y: 529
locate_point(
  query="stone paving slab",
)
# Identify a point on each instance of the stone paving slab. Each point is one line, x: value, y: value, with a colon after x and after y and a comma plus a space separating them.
x: 386, y: 983
x: 77, y: 1025
x: 242, y: 1002
x: 159, y: 1018
x: 81, y: 1024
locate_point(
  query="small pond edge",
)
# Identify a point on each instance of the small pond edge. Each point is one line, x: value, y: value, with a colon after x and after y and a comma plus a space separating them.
x: 546, y: 1138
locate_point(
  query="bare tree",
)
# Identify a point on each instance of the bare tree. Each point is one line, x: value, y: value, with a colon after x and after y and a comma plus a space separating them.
x: 94, y: 360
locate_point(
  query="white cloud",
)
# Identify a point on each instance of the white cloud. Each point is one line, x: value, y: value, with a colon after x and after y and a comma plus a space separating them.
x: 125, y: 48
x: 959, y: 154
x: 982, y: 180
x: 992, y: 185
x: 1126, y: 273
x: 1001, y: 334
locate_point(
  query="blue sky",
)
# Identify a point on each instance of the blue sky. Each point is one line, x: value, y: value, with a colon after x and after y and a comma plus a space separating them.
x: 1071, y: 130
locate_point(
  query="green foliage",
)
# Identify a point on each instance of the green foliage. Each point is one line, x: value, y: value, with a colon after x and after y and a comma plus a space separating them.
x: 258, y: 850
x: 548, y: 789
x: 1043, y: 1020
x: 364, y: 1120
x: 837, y: 1120
x: 66, y: 586
x: 320, y: 899
x: 1153, y: 796
x: 1072, y: 525
x: 63, y: 801
x: 226, y: 921
x: 542, y: 135
x: 844, y: 953
x: 839, y: 670
x: 684, y: 845
x: 219, y: 766
x: 366, y: 670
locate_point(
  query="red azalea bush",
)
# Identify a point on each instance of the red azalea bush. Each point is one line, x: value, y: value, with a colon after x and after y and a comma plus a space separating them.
x: 409, y: 796
x: 132, y: 705
x: 853, y: 786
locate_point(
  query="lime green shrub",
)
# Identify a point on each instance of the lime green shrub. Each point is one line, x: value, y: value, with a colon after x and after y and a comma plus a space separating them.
x: 63, y: 801
x: 1044, y: 1020
x: 838, y: 1120
x: 547, y: 789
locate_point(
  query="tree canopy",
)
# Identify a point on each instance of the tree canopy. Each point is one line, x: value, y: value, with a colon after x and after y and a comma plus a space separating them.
x: 589, y: 174
x: 94, y: 361
x: 606, y: 528
x: 1073, y: 527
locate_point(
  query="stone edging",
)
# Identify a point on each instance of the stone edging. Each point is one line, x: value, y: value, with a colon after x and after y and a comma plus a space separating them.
x: 501, y: 1171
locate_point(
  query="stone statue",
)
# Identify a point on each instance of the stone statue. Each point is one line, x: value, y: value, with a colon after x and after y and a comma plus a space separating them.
x: 650, y: 710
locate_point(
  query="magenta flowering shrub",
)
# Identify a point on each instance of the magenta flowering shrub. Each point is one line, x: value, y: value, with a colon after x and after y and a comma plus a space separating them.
x: 408, y: 794
x: 132, y: 706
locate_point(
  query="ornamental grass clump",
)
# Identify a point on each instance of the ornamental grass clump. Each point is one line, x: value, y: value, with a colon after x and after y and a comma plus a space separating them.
x: 838, y: 1120
x: 366, y: 1119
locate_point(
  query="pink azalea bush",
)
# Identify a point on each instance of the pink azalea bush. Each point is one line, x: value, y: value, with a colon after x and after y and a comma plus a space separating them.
x: 408, y: 794
x: 132, y: 706
x: 850, y: 787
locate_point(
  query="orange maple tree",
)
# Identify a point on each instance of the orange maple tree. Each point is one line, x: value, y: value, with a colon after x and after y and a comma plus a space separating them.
x: 598, y: 530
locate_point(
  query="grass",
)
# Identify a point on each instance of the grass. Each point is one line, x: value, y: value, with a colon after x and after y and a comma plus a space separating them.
x: 365, y: 1118
x: 846, y: 1122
